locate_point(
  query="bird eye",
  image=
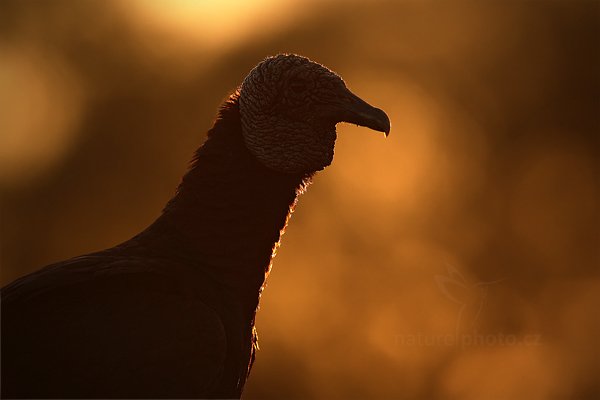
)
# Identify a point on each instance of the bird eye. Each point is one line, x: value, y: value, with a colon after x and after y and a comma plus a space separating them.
x: 298, y: 86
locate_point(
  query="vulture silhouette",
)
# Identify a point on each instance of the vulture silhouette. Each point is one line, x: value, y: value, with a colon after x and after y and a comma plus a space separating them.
x: 170, y: 313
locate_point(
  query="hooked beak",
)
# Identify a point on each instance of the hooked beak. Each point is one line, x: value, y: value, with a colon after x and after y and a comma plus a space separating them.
x: 354, y: 110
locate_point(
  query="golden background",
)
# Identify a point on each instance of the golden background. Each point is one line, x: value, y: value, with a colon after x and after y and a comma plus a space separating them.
x: 458, y: 258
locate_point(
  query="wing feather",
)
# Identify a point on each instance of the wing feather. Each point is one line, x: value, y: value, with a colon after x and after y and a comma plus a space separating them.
x: 118, y: 328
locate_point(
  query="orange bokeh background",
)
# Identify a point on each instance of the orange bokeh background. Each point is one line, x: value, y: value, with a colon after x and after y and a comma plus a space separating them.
x: 458, y: 258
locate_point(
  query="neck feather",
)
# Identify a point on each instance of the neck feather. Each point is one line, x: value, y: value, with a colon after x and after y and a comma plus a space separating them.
x: 230, y: 210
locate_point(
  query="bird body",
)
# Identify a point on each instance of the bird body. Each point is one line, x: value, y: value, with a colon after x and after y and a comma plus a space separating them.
x: 169, y: 313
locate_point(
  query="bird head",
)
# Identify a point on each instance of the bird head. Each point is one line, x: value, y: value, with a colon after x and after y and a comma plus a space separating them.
x: 289, y: 107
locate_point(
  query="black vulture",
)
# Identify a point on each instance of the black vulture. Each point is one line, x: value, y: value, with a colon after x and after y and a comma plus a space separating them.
x: 170, y: 313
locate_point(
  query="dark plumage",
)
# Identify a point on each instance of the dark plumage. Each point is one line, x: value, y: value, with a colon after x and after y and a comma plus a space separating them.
x: 170, y: 312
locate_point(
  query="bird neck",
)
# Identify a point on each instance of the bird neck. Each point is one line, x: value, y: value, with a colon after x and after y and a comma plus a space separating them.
x: 230, y: 210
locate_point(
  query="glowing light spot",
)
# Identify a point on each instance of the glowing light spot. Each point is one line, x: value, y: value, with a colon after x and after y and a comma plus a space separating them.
x: 213, y: 23
x: 40, y: 105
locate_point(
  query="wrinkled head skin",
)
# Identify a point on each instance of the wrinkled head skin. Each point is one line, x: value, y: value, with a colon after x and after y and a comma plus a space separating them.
x: 289, y: 107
